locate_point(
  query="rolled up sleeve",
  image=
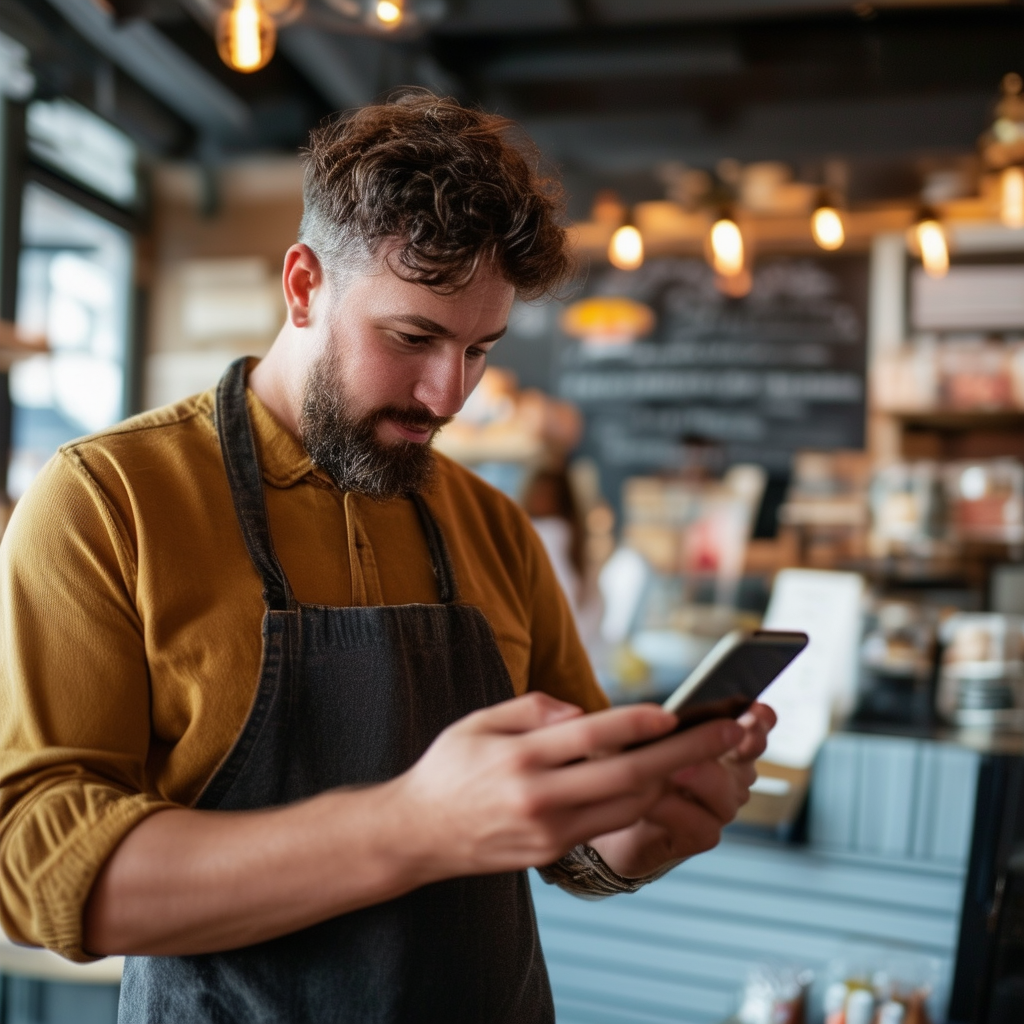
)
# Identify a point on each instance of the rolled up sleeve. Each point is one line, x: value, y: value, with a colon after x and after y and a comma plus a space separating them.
x: 74, y: 704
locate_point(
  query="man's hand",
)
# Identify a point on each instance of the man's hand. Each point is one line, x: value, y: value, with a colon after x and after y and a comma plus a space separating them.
x: 521, y: 783
x: 697, y: 803
x: 514, y: 785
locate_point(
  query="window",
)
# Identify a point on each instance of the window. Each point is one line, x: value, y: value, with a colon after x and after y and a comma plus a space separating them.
x: 74, y: 287
x: 83, y: 147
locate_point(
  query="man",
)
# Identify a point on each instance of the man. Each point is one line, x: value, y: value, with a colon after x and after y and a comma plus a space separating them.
x: 261, y: 650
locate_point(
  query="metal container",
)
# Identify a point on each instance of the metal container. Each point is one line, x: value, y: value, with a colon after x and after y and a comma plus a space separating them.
x: 981, y: 682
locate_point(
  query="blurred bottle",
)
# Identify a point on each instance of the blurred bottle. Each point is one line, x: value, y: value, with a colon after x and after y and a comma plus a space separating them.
x: 835, y: 1003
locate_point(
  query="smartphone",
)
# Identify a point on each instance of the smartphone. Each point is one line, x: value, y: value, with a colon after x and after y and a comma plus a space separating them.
x: 733, y: 674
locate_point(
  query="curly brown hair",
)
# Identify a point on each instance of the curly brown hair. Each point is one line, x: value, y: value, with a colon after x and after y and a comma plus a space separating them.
x: 438, y: 187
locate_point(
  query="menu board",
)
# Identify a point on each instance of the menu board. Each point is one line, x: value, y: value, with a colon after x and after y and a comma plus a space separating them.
x: 752, y: 379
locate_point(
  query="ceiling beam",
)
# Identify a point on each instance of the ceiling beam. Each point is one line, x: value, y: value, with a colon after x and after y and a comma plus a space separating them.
x: 150, y: 58
x: 904, y: 127
x: 344, y: 69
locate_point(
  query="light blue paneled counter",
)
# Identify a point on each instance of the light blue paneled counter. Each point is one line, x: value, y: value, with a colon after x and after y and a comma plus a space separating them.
x: 889, y: 835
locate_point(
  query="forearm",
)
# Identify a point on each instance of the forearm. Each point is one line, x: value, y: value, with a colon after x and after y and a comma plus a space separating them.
x: 187, y: 881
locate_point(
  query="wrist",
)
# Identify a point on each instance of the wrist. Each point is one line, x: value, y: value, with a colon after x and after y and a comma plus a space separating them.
x: 635, y: 852
x: 407, y: 844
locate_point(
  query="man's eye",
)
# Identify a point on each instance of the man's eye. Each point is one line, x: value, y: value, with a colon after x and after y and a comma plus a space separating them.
x: 475, y: 353
x: 415, y: 339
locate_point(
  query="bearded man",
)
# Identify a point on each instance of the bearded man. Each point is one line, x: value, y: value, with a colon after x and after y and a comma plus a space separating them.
x: 288, y: 702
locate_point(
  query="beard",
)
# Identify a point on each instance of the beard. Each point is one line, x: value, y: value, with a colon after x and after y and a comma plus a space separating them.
x: 346, y: 446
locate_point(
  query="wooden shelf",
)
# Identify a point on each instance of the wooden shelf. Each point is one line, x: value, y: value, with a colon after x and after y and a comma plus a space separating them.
x: 955, y: 419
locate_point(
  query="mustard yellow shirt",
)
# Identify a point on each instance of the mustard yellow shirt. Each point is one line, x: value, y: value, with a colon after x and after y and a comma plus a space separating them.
x: 130, y: 617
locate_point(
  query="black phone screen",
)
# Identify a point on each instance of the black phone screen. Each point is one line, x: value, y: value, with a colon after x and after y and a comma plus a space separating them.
x: 743, y: 673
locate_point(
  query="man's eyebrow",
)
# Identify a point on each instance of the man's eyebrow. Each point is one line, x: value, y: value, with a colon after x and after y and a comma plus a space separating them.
x: 428, y: 326
x: 423, y: 323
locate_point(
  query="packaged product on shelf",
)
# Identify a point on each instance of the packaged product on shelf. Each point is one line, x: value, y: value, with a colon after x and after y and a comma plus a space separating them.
x: 907, y: 379
x: 908, y: 508
x: 986, y: 500
x: 774, y: 994
x: 976, y: 375
x: 881, y: 986
x: 826, y: 506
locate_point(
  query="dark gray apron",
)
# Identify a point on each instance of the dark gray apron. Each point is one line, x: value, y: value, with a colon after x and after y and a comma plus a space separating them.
x: 353, y: 696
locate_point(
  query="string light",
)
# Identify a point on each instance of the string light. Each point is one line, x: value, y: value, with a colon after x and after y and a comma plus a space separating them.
x: 931, y: 240
x: 390, y: 12
x: 727, y: 254
x: 626, y: 249
x: 827, y: 228
x: 1011, y: 204
x: 246, y: 36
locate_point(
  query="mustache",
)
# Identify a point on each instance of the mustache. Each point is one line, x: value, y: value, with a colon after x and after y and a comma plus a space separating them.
x: 418, y: 419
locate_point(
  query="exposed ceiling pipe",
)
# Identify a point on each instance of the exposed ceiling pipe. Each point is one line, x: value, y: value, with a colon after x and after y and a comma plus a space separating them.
x: 160, y: 67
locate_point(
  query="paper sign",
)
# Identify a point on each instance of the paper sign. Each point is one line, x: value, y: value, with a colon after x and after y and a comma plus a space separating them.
x: 821, y: 682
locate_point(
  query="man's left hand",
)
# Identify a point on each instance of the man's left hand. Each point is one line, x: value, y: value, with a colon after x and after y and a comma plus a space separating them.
x: 698, y: 803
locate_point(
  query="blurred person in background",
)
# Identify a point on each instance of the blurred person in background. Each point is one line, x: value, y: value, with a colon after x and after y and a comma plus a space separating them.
x: 288, y: 702
x: 550, y: 503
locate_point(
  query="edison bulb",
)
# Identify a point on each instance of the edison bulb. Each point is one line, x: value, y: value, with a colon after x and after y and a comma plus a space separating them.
x: 934, y: 251
x: 1011, y: 198
x: 245, y: 36
x: 389, y: 12
x: 726, y: 247
x: 626, y: 249
x: 827, y: 228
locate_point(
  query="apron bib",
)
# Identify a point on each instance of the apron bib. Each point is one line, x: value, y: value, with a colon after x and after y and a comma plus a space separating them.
x: 353, y: 696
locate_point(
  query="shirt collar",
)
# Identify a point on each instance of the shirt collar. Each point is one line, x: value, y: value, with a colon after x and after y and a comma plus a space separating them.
x: 283, y: 460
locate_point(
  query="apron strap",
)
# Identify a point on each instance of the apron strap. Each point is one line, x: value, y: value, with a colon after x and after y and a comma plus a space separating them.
x: 446, y: 589
x: 246, y: 480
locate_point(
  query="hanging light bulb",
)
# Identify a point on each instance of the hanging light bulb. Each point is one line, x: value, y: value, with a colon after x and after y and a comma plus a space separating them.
x: 827, y: 228
x: 1011, y: 197
x: 931, y: 241
x: 626, y: 249
x: 390, y: 13
x: 246, y: 36
x: 726, y: 241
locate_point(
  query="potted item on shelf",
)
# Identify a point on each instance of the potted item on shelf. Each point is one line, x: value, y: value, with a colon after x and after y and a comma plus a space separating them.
x: 981, y: 682
x: 986, y: 500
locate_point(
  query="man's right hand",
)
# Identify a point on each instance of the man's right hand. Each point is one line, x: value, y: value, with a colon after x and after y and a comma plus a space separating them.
x: 520, y: 783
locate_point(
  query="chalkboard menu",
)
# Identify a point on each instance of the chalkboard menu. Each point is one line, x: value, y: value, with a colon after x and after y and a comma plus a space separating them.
x: 755, y: 378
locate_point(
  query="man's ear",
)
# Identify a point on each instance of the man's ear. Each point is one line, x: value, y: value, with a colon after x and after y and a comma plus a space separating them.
x: 301, y: 279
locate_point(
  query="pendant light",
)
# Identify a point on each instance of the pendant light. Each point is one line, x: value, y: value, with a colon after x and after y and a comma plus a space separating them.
x: 246, y: 36
x: 827, y: 227
x: 390, y: 13
x: 1002, y: 149
x: 725, y: 241
x: 626, y: 248
x: 928, y: 237
x: 1011, y: 197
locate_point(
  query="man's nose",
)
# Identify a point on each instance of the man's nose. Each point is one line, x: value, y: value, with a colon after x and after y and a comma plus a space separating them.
x: 442, y: 385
